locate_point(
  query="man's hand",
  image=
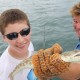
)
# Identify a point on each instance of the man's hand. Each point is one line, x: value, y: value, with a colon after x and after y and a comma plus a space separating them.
x: 47, y: 63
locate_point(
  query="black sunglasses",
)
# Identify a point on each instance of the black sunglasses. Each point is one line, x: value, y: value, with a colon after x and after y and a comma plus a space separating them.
x: 14, y: 35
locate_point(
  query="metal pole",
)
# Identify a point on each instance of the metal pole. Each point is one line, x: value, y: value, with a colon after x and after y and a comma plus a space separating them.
x: 44, y: 38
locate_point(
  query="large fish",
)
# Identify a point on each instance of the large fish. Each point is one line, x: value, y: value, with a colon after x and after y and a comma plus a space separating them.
x: 67, y: 57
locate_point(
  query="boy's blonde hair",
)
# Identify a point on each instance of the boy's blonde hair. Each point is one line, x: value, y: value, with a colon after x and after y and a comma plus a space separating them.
x: 75, y: 10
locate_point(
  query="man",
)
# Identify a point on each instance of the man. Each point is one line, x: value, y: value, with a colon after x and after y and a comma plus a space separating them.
x: 75, y: 12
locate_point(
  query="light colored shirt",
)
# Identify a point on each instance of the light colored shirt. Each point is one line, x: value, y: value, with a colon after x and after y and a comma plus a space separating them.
x: 8, y: 63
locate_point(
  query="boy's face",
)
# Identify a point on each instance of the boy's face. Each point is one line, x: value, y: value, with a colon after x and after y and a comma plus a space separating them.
x: 21, y: 43
x: 76, y: 20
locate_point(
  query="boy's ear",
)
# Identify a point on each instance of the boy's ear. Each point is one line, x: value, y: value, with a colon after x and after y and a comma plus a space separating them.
x: 30, y: 32
x: 3, y: 37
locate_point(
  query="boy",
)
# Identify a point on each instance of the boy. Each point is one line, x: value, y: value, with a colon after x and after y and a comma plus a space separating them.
x: 16, y: 31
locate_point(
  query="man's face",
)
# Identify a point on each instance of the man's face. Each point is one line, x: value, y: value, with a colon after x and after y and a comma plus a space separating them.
x: 76, y: 24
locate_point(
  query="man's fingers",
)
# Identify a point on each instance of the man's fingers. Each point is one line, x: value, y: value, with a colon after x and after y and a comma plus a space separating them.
x: 56, y: 48
x: 42, y: 61
x: 36, y: 63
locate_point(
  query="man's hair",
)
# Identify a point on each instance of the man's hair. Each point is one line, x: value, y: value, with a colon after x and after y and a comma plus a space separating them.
x: 75, y: 10
x: 12, y: 16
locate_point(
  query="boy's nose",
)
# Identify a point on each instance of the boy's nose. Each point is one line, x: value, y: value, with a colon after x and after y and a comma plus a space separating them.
x: 20, y: 38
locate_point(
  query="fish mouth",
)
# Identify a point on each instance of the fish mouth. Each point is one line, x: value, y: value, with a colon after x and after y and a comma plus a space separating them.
x: 73, y: 57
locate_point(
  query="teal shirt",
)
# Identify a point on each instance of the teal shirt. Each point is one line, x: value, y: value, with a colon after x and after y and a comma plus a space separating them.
x: 78, y: 46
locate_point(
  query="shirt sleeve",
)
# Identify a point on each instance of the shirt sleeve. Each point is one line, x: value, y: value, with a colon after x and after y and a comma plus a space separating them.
x: 78, y: 46
x: 31, y: 75
x: 31, y: 47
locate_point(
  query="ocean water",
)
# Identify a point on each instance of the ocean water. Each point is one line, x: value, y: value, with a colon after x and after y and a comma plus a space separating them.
x: 50, y: 21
